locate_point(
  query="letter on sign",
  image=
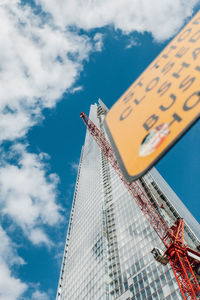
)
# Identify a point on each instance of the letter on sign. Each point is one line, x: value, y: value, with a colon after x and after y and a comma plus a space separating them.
x: 159, y: 107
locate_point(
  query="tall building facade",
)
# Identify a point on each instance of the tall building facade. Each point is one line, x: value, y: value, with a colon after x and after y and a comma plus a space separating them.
x: 107, y: 253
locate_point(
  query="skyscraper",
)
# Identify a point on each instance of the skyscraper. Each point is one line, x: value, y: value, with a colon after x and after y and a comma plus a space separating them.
x: 107, y: 254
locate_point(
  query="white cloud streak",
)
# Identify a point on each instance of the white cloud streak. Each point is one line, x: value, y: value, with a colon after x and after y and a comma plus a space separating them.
x: 37, y: 295
x: 27, y: 193
x: 27, y: 198
x: 160, y: 18
x: 76, y: 89
x: 38, y: 63
x: 40, y: 57
x: 10, y: 287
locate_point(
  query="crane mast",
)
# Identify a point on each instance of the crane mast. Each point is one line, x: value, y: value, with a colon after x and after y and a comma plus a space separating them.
x: 177, y: 253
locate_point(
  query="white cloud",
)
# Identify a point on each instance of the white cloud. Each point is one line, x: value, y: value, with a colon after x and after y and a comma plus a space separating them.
x: 6, y: 250
x: 10, y: 287
x: 161, y: 18
x: 37, y: 236
x: 74, y: 166
x: 27, y: 193
x: 37, y: 295
x: 38, y: 62
x: 41, y: 57
x: 27, y: 198
x: 98, y: 38
x: 132, y: 42
x: 76, y: 89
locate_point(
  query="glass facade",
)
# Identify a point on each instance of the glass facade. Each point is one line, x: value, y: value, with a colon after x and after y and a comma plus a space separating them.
x: 107, y: 254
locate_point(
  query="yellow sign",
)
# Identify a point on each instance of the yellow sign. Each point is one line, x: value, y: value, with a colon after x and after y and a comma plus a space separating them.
x: 159, y: 106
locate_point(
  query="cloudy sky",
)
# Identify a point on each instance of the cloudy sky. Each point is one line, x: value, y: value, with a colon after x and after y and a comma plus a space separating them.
x: 57, y: 57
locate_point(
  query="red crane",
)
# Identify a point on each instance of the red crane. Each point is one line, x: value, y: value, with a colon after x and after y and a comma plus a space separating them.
x: 184, y: 261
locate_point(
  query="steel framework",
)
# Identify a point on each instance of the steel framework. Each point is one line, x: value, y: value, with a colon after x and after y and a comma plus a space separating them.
x: 183, y: 265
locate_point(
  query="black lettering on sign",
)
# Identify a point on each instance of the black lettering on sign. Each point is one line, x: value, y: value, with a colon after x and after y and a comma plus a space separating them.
x: 176, y: 117
x: 128, y: 96
x: 184, y: 35
x: 139, y: 83
x: 127, y: 111
x: 196, y: 21
x: 155, y: 65
x: 195, y: 53
x: 172, y: 47
x: 181, y: 52
x: 167, y: 67
x: 164, y: 88
x: 140, y: 100
x: 152, y: 84
x: 183, y: 65
x: 192, y: 101
x: 150, y: 122
x: 172, y: 101
x: 197, y: 68
x: 195, y: 37
x: 186, y: 83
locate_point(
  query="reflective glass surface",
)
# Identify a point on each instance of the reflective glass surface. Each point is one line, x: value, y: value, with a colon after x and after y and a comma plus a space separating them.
x: 109, y: 241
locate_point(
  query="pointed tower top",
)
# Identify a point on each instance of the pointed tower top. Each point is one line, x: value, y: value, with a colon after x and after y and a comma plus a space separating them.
x: 103, y: 106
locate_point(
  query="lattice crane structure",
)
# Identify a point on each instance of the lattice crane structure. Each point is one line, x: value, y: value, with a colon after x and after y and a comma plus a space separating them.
x: 184, y: 261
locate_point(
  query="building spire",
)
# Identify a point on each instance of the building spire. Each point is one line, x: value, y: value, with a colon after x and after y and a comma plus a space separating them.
x: 103, y: 106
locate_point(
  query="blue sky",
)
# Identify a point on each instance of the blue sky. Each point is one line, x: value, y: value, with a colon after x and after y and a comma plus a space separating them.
x: 57, y: 60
